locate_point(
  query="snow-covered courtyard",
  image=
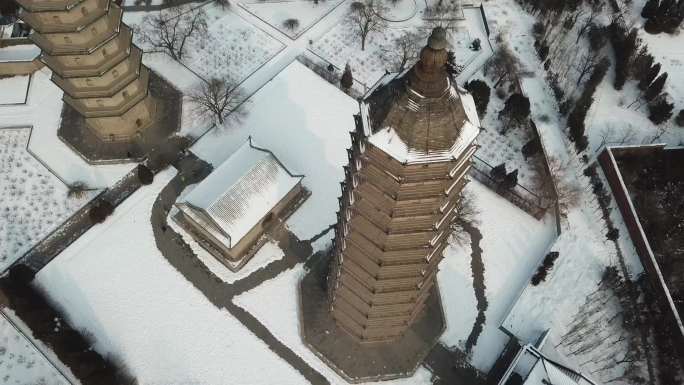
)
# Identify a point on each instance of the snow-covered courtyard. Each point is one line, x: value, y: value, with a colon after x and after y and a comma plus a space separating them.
x: 34, y: 201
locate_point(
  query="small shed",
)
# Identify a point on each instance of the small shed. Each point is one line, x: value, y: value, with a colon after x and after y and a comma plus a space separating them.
x: 229, y: 211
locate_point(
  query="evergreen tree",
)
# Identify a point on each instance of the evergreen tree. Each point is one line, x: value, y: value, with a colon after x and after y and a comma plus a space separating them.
x: 680, y: 118
x: 625, y: 45
x: 577, y: 117
x: 660, y: 110
x: 145, y: 175
x: 647, y: 77
x: 481, y: 93
x: 510, y: 180
x: 650, y: 9
x: 498, y: 173
x: 452, y: 68
x: 516, y: 109
x: 531, y: 148
x: 656, y: 87
x: 347, y: 79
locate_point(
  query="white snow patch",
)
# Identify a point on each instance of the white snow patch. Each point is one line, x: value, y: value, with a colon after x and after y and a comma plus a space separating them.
x: 114, y: 283
x: 276, y: 304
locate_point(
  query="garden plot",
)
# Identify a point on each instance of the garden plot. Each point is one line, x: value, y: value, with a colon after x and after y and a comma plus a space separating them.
x: 276, y: 304
x: 496, y: 148
x: 342, y: 45
x: 306, y: 13
x: 21, y: 362
x: 34, y: 201
x: 13, y: 89
x: 232, y: 49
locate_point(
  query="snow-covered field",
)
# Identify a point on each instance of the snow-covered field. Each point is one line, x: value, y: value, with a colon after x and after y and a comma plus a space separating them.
x: 21, y: 362
x: 13, y: 89
x: 275, y: 12
x: 276, y: 304
x: 34, y: 201
x: 342, y: 45
x: 232, y: 48
x: 305, y: 121
x: 512, y: 244
x: 114, y: 283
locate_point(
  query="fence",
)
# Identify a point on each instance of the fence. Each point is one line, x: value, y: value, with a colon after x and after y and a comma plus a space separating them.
x: 525, y: 199
x: 607, y: 161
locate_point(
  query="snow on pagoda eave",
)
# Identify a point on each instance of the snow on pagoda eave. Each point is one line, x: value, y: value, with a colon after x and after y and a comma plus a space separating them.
x: 390, y: 143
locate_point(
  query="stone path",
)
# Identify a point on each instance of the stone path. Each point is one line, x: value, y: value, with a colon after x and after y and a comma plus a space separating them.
x: 478, y: 268
x: 220, y: 293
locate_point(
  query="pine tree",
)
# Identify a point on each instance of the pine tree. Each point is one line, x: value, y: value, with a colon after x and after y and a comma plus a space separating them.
x: 680, y: 118
x: 347, y: 79
x: 660, y: 110
x: 498, y: 173
x: 656, y: 87
x: 650, y: 9
x: 510, y: 180
x: 531, y: 148
x: 648, y: 76
x: 516, y: 108
x: 452, y: 68
x: 481, y: 93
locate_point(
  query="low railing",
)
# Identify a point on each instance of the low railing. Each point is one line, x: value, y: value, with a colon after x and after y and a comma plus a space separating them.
x: 525, y: 199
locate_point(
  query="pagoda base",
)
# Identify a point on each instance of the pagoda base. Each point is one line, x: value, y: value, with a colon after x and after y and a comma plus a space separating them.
x: 363, y: 362
x: 163, y: 104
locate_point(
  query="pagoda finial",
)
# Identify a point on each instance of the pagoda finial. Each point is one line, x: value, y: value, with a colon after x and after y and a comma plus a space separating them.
x: 437, y: 39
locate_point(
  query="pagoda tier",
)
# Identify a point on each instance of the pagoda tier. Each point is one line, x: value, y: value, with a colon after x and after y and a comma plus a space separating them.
x: 94, y: 62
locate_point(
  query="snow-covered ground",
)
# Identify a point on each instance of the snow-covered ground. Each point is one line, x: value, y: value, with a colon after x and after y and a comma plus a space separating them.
x: 34, y: 201
x: 276, y: 304
x: 275, y: 12
x: 268, y: 253
x: 114, y: 283
x: 305, y: 122
x: 20, y: 360
x: 512, y: 244
x: 13, y: 89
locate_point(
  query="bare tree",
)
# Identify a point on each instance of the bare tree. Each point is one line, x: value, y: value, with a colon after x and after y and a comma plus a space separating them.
x: 169, y: 29
x: 466, y: 215
x: 365, y: 15
x: 586, y: 65
x: 588, y: 22
x: 404, y: 51
x: 503, y: 64
x: 215, y: 98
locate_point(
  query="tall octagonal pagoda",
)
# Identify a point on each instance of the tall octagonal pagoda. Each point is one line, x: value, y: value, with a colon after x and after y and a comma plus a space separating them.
x: 94, y: 62
x: 410, y: 155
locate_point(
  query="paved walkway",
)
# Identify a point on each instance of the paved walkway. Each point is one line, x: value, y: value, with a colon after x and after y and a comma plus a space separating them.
x: 220, y: 293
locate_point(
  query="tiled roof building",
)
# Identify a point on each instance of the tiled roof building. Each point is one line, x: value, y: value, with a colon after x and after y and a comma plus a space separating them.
x: 229, y: 210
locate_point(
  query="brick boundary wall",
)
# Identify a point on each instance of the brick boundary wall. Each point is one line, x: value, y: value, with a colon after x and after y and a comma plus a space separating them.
x: 607, y: 161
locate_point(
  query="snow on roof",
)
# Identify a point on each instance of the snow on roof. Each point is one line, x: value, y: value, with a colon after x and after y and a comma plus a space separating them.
x: 18, y: 53
x: 536, y: 369
x: 305, y: 121
x: 240, y: 192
